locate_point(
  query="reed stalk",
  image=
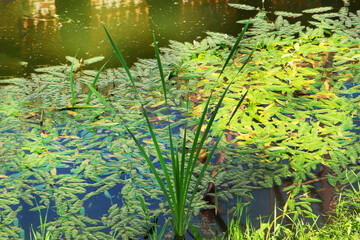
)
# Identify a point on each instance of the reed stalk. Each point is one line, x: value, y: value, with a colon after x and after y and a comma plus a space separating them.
x: 176, y: 186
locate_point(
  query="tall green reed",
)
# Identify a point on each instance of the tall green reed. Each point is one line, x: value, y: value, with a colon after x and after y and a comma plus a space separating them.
x: 73, y: 102
x: 72, y: 84
x: 43, y: 235
x: 95, y: 80
x: 175, y: 186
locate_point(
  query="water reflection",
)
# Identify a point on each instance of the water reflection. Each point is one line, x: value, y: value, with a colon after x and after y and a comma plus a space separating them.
x: 43, y: 32
x: 41, y: 9
x: 72, y: 7
x: 190, y: 19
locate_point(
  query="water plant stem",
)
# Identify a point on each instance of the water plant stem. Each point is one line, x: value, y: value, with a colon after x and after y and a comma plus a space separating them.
x: 183, y: 164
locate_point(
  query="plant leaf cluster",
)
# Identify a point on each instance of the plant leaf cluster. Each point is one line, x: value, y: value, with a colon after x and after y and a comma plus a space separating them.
x: 301, y: 110
x: 300, y: 113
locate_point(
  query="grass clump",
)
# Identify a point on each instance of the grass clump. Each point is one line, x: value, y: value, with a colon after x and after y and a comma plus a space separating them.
x: 342, y: 223
x: 176, y: 186
x: 44, y: 234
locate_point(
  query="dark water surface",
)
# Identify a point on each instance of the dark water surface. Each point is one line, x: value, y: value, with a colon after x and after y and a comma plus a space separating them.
x: 38, y: 32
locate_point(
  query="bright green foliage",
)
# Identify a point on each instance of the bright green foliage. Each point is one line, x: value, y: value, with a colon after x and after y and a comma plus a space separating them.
x: 77, y: 149
x: 344, y: 224
x: 298, y: 116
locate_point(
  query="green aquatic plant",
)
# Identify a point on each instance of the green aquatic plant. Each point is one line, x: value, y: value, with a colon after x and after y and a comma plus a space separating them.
x: 44, y: 234
x: 235, y: 231
x: 343, y: 222
x: 152, y: 229
x: 78, y: 64
x: 72, y: 84
x: 297, y: 119
x: 301, y: 114
x: 176, y: 187
x: 95, y: 80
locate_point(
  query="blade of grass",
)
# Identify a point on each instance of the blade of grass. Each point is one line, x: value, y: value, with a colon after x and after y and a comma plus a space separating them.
x: 192, y: 158
x: 206, y: 132
x: 201, y: 175
x: 174, y: 163
x: 235, y: 47
x: 247, y: 59
x: 176, y: 194
x: 142, y: 150
x: 72, y: 84
x: 163, y: 229
x: 162, y: 162
x: 193, y: 152
x: 182, y: 194
x: 102, y: 99
x: 157, y: 148
x: 160, y: 68
x: 153, y: 169
x: 95, y: 80
x: 43, y: 226
x: 237, y: 107
x: 122, y: 61
x: 183, y: 147
x: 179, y: 203
x: 44, y: 235
x: 143, y: 205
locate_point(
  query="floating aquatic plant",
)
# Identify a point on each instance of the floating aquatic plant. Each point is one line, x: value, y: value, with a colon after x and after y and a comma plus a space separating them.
x: 300, y: 114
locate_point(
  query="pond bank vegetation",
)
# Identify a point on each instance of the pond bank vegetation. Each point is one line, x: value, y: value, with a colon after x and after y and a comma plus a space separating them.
x: 298, y: 125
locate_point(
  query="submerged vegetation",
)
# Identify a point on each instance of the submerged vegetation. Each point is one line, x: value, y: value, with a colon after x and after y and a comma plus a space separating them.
x: 299, y: 124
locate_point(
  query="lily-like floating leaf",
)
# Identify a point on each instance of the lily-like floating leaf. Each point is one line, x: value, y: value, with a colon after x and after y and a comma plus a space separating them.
x: 72, y: 60
x: 287, y: 14
x: 51, y: 69
x: 242, y: 6
x: 317, y: 10
x: 93, y: 60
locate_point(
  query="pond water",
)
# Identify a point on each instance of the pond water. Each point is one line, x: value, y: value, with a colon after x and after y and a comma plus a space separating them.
x: 39, y: 32
x: 44, y: 32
